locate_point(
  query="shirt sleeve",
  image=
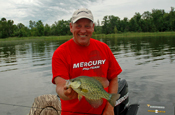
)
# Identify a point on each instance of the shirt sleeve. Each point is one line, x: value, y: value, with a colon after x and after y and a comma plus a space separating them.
x: 114, y: 68
x: 59, y: 65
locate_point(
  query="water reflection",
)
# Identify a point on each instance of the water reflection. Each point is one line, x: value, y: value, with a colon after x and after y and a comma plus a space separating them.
x: 143, y: 48
x: 15, y: 53
x: 36, y: 53
x: 146, y: 46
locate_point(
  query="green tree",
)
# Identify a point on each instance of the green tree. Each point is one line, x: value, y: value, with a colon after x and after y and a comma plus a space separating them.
x: 39, y: 28
x: 6, y: 28
x: 3, y: 28
x: 61, y: 27
x: 33, y: 30
x: 52, y: 29
x: 135, y: 23
x: 158, y: 19
x: 98, y: 28
x: 47, y: 30
x: 124, y: 25
x: 114, y: 21
x: 10, y: 26
x: 172, y: 19
x: 32, y: 24
x: 21, y: 30
x: 115, y: 30
x: 133, y: 26
x: 105, y: 25
x: 108, y: 24
x: 147, y: 21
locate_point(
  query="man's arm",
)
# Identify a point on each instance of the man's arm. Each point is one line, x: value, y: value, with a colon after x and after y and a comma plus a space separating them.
x: 113, y: 88
x: 63, y: 92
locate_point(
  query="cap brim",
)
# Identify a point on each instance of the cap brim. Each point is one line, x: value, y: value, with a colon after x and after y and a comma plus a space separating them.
x: 75, y: 20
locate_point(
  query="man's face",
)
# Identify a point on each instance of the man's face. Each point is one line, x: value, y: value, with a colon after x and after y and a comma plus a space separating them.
x: 82, y: 31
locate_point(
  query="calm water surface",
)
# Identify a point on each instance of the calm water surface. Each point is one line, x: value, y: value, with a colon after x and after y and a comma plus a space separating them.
x: 25, y: 70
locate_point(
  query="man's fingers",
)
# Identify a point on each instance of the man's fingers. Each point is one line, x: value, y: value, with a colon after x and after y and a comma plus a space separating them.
x: 65, y: 87
x: 67, y: 91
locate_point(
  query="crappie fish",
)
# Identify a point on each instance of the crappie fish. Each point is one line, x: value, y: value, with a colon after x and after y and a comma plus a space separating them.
x: 92, y: 88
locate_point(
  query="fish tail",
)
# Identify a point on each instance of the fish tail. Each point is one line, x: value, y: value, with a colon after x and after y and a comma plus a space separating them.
x: 113, y: 99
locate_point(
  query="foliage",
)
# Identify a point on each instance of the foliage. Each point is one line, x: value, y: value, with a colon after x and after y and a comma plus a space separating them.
x: 156, y: 21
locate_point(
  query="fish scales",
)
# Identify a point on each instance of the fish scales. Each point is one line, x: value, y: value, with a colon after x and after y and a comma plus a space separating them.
x: 92, y: 89
x: 95, y: 89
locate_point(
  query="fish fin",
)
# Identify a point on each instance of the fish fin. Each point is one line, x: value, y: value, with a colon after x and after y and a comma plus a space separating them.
x: 80, y: 97
x: 103, y: 81
x: 94, y: 103
x: 113, y: 99
x: 84, y: 90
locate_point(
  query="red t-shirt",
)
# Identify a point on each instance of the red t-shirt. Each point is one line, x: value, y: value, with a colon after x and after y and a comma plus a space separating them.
x: 71, y: 60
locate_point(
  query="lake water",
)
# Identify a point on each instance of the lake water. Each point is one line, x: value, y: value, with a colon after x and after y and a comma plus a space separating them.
x: 148, y: 65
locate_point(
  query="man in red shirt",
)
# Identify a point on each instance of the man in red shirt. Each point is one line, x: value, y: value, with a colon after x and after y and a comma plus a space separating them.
x: 83, y: 56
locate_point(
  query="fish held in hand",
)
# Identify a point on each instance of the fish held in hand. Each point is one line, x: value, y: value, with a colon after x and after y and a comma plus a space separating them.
x: 92, y: 88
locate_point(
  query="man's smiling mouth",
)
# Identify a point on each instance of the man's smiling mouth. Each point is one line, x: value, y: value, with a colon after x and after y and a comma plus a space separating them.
x: 82, y: 35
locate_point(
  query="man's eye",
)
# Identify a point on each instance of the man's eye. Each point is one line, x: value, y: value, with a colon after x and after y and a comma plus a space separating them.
x: 78, y: 26
x: 87, y: 26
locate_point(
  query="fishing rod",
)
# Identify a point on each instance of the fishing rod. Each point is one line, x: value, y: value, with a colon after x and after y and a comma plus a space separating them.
x: 45, y: 108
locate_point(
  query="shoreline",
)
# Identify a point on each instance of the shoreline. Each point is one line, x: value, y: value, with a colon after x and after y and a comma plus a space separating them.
x: 95, y: 36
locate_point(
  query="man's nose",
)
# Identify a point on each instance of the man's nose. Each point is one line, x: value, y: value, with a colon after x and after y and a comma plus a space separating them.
x: 83, y: 30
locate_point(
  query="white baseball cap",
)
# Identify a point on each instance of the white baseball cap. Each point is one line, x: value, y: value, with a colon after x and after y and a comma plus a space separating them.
x: 82, y: 13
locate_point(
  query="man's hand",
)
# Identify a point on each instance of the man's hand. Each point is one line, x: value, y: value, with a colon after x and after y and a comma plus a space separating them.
x: 63, y: 91
x: 109, y: 109
x: 113, y: 88
x: 70, y: 93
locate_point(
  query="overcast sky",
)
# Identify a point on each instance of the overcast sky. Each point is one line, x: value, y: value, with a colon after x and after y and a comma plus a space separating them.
x: 49, y: 11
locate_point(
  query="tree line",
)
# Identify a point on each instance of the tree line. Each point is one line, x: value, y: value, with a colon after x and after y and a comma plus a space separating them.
x: 156, y: 21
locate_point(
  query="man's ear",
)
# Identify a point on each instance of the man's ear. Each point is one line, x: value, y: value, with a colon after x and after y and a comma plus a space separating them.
x: 93, y: 26
x: 71, y: 27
